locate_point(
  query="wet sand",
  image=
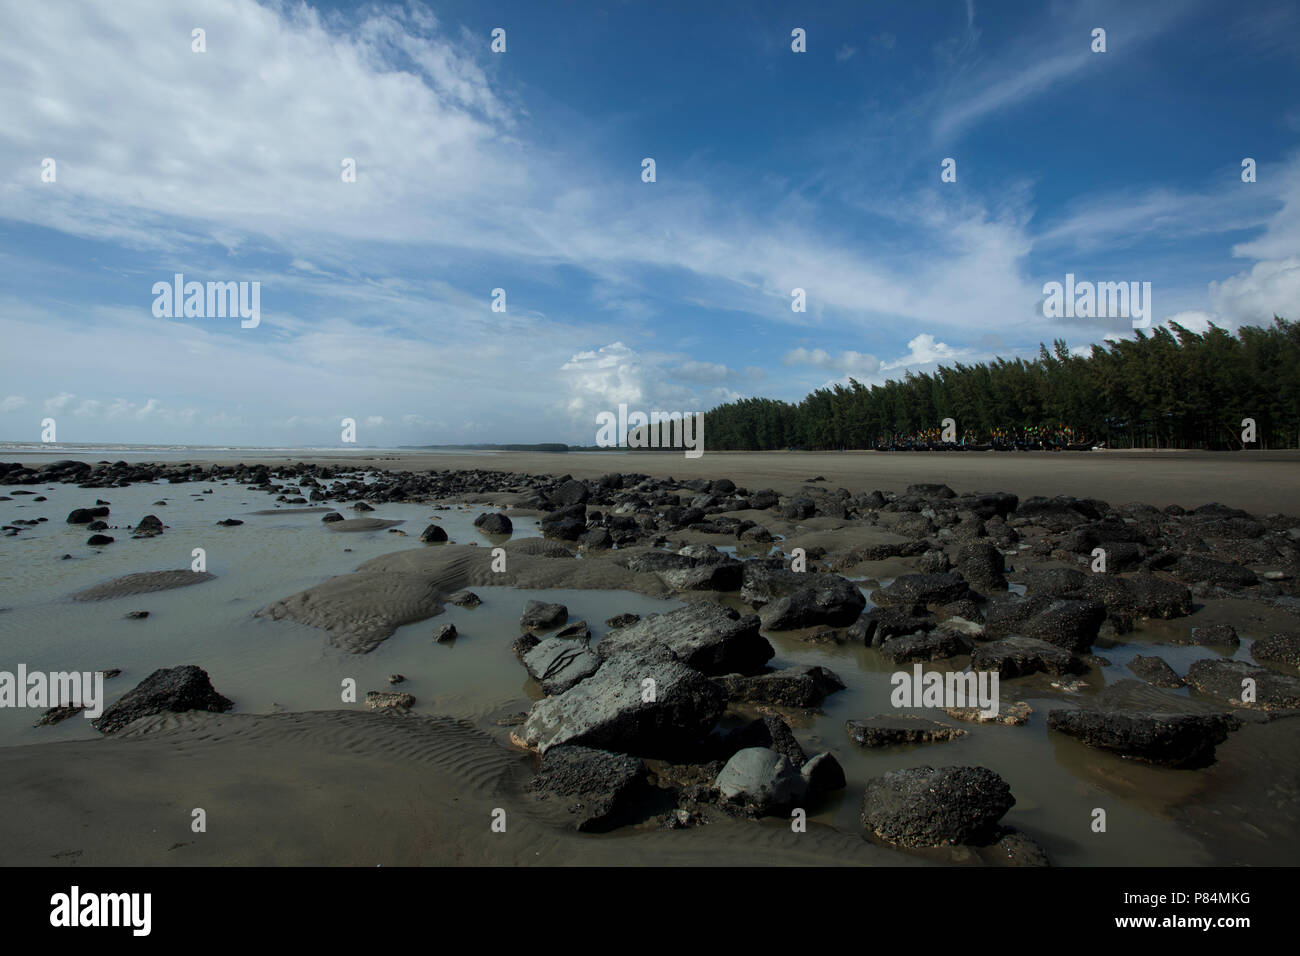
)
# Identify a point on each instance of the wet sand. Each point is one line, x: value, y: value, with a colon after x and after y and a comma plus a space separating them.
x: 349, y: 787
x: 1258, y: 481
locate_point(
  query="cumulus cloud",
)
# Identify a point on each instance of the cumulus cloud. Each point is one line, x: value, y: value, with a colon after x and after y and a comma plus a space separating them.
x: 924, y: 350
x: 1252, y: 297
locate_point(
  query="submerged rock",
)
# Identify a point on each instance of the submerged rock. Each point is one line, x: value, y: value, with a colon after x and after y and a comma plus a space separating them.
x: 894, y: 730
x: 1227, y: 680
x: 1171, y: 740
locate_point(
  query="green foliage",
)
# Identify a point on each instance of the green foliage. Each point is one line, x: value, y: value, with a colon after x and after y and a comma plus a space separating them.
x: 1170, y: 389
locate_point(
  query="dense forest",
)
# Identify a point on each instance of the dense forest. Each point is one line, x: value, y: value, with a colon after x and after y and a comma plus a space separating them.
x: 1169, y: 389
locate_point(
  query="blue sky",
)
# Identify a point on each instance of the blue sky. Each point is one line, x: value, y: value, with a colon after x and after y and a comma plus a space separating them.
x: 521, y: 170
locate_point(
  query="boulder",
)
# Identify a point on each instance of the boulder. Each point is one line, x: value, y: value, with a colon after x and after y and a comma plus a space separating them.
x: 918, y: 590
x: 168, y: 689
x: 928, y: 806
x: 540, y: 616
x: 710, y: 638
x: 150, y: 526
x: 613, y: 709
x: 982, y: 565
x: 931, y: 646
x: 1282, y: 648
x: 494, y: 523
x: 558, y: 663
x: 827, y: 599
x: 1171, y: 740
x: 1225, y: 680
x: 590, y: 790
x: 761, y: 778
x: 805, y: 686
x: 1021, y: 656
x: 823, y: 774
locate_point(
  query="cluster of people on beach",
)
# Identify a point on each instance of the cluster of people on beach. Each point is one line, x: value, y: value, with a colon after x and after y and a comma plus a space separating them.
x: 1058, y: 437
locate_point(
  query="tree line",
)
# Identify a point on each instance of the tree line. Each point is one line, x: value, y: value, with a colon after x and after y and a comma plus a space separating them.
x: 1174, y: 388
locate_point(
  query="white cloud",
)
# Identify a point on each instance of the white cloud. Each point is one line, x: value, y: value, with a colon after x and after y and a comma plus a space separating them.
x: 924, y: 350
x: 12, y: 403
x: 849, y: 362
x: 1252, y: 298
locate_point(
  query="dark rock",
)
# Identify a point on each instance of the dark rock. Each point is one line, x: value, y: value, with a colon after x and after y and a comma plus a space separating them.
x: 927, y: 806
x: 1072, y: 625
x: 1155, y: 670
x: 1224, y: 679
x: 761, y: 778
x: 539, y: 616
x: 614, y: 709
x: 433, y: 533
x: 1015, y: 849
x: 1171, y: 740
x: 150, y: 526
x: 445, y: 632
x: 797, y: 509
x: 593, y: 790
x: 805, y: 686
x: 892, y: 731
x: 494, y: 523
x: 1218, y: 635
x: 917, y: 590
x: 882, y: 623
x: 826, y: 599
x: 1021, y: 656
x: 981, y: 564
x: 707, y: 637
x: 572, y: 492
x: 1283, y: 648
x: 558, y: 664
x: 768, y: 731
x: 925, y: 646
x: 168, y: 689
x: 823, y: 774
x: 389, y: 700
x: 96, y: 540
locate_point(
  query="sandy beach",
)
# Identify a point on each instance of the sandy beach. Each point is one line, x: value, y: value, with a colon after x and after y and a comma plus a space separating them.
x: 291, y: 605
